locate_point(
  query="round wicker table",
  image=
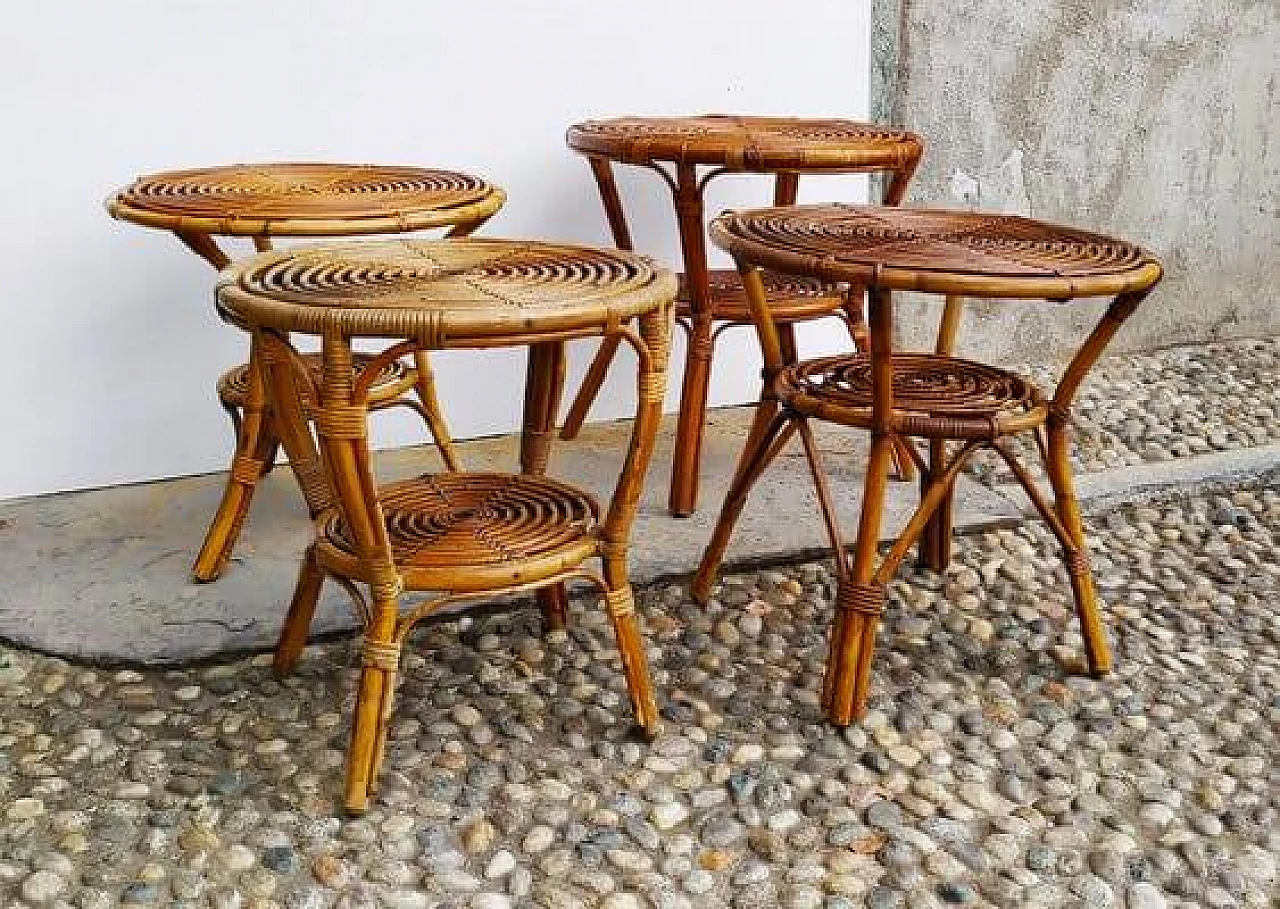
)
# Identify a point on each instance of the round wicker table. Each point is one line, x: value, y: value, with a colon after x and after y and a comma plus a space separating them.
x: 261, y: 201
x: 689, y: 152
x: 958, y: 405
x: 462, y: 535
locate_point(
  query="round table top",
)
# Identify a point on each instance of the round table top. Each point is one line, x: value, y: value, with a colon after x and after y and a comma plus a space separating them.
x: 455, y: 292
x: 749, y: 143
x: 305, y: 200
x: 936, y: 251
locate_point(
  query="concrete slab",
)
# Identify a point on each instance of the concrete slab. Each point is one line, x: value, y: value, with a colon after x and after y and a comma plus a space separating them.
x: 103, y: 575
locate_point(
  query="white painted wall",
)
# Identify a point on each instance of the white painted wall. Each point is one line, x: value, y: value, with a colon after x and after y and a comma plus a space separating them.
x: 110, y: 343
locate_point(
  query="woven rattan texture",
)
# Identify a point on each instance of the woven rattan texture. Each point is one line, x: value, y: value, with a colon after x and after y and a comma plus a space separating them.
x: 283, y: 198
x: 790, y: 298
x: 393, y: 379
x: 747, y: 143
x: 434, y: 291
x: 462, y: 520
x: 944, y: 389
x: 915, y: 249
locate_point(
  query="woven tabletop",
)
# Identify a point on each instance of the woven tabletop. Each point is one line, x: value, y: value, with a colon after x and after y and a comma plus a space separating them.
x: 305, y: 199
x: 949, y: 252
x: 460, y: 292
x: 748, y: 143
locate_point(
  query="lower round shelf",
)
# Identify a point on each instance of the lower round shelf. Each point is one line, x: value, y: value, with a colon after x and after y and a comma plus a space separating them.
x: 470, y: 531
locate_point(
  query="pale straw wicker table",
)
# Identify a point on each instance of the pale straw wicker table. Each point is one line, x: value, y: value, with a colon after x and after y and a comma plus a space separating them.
x: 261, y: 201
x: 688, y: 153
x: 463, y: 535
x: 958, y: 405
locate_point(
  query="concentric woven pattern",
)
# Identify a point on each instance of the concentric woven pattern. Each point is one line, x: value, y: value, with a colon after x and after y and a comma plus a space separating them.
x: 461, y: 520
x: 892, y: 245
x: 393, y: 378
x: 747, y: 142
x: 436, y: 289
x: 789, y: 297
x: 270, y: 193
x: 927, y: 384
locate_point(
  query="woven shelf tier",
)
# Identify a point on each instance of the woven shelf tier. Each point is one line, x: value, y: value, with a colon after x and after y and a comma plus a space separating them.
x: 447, y: 529
x: 748, y: 143
x: 440, y: 293
x: 305, y: 200
x: 791, y: 299
x: 936, y: 251
x: 933, y: 395
x: 394, y: 379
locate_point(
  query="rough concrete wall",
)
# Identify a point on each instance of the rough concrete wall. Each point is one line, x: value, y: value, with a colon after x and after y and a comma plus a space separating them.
x: 1150, y: 119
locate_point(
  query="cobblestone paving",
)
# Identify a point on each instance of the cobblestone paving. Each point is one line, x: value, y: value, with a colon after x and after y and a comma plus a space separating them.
x: 1175, y: 403
x: 984, y: 774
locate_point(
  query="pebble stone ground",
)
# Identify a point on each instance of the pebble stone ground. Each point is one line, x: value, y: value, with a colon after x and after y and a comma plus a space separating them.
x: 1175, y: 403
x: 985, y: 774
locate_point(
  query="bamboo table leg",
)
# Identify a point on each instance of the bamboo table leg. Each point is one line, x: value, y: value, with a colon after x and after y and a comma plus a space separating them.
x: 255, y: 447
x: 608, y: 349
x: 935, y: 542
x: 691, y: 426
x: 544, y: 382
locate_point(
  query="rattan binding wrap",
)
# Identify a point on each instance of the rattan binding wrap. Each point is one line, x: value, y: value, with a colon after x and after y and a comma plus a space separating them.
x: 305, y: 199
x: 476, y: 289
x: 936, y: 251
x: 748, y: 143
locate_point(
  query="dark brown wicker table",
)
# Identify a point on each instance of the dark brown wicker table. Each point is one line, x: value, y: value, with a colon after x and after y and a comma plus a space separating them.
x: 958, y: 405
x: 697, y: 150
x: 465, y: 535
x: 261, y: 201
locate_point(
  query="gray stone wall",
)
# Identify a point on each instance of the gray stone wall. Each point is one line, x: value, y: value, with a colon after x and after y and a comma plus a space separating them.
x: 1154, y: 120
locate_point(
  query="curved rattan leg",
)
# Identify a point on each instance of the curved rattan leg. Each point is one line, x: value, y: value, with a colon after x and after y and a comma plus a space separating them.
x: 691, y: 426
x: 297, y: 622
x: 544, y: 382
x: 1058, y: 467
x: 621, y: 604
x: 431, y: 410
x: 859, y: 601
x: 254, y: 448
x: 380, y: 660
x: 592, y: 382
x: 770, y: 431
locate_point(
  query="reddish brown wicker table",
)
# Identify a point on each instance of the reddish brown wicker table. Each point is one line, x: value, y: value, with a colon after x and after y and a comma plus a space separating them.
x: 464, y: 535
x: 261, y: 201
x: 697, y: 150
x: 958, y: 405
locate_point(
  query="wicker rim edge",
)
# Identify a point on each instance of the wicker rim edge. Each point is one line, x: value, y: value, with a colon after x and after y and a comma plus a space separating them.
x: 240, y: 226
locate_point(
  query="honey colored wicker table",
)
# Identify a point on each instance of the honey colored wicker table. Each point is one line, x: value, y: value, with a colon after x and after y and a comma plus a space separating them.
x: 463, y: 535
x: 688, y: 153
x: 959, y: 405
x: 262, y: 201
